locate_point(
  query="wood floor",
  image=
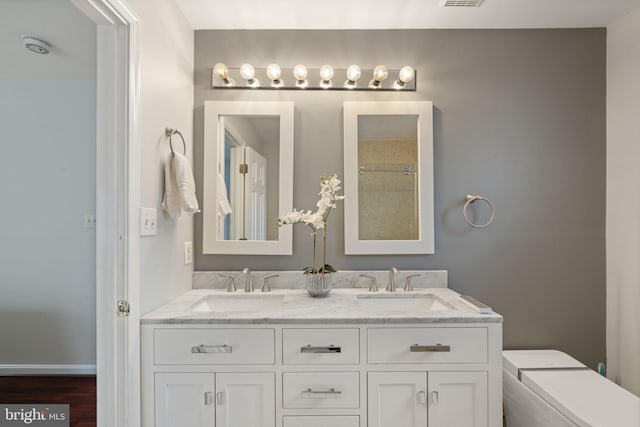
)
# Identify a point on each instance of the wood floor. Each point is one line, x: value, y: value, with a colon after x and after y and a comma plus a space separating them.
x: 77, y: 391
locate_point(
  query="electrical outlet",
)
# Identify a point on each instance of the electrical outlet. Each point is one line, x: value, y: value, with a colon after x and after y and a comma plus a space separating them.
x: 188, y: 253
x: 148, y: 221
x: 89, y: 221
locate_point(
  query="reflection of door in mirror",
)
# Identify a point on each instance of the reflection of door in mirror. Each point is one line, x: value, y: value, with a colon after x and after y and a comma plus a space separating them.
x: 250, y: 143
x: 388, y: 177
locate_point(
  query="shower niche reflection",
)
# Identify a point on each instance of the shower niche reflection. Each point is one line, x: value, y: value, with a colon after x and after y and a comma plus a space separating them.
x: 388, y: 177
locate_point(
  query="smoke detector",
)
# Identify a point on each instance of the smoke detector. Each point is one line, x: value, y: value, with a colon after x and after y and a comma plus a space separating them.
x: 460, y: 3
x: 36, y: 45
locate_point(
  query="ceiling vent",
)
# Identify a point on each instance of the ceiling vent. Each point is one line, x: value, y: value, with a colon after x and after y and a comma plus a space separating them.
x: 460, y: 3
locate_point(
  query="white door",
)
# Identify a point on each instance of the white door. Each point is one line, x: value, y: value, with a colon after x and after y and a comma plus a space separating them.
x: 184, y: 399
x: 458, y: 399
x: 256, y: 195
x: 397, y: 399
x: 249, y: 194
x: 245, y: 400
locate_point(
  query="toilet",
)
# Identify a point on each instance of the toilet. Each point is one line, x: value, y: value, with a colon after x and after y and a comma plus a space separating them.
x: 550, y: 388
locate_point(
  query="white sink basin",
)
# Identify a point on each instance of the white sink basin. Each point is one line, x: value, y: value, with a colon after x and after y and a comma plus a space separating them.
x: 236, y: 303
x: 402, y: 303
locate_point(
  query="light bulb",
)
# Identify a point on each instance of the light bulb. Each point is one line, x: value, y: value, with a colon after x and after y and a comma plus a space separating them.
x: 300, y: 72
x: 379, y: 74
x: 221, y: 71
x: 353, y: 74
x: 406, y: 74
x: 274, y: 72
x: 247, y: 71
x: 326, y: 74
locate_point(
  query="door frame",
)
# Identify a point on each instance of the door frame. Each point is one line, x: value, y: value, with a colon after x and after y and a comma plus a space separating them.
x: 117, y: 207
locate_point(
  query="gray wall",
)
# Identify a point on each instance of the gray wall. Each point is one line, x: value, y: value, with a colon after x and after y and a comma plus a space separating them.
x: 47, y: 184
x: 519, y: 117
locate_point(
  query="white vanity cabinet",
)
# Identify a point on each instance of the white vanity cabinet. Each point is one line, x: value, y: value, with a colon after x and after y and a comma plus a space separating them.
x: 308, y: 374
x: 205, y: 399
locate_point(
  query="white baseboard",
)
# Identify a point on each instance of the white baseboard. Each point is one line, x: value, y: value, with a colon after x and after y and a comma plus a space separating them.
x: 9, y: 370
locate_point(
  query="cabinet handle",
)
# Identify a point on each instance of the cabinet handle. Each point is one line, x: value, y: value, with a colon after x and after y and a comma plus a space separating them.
x: 435, y: 398
x: 438, y: 348
x: 208, y: 398
x: 314, y: 394
x: 422, y: 397
x: 320, y: 349
x: 211, y: 349
x: 220, y: 398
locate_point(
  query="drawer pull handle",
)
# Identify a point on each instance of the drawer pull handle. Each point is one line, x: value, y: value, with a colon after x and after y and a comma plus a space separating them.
x: 435, y: 398
x: 208, y: 398
x: 438, y: 348
x: 422, y: 397
x: 315, y: 394
x: 211, y: 349
x: 321, y: 349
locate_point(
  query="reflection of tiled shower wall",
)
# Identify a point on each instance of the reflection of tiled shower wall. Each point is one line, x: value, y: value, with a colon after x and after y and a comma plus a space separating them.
x: 387, y: 200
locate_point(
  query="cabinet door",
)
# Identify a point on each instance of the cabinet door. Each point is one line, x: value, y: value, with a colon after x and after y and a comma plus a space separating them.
x: 245, y: 399
x: 397, y: 399
x: 184, y: 399
x: 458, y: 399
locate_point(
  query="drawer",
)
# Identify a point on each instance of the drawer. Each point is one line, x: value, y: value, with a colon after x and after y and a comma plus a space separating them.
x: 320, y: 346
x: 333, y: 421
x: 214, y: 346
x: 427, y: 345
x: 309, y: 390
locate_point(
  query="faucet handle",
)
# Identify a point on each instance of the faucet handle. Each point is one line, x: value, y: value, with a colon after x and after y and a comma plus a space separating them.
x: 407, y: 283
x: 372, y: 282
x: 232, y: 282
x: 265, y: 283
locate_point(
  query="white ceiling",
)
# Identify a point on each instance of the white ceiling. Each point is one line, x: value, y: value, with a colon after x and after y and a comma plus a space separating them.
x: 71, y: 35
x: 385, y: 14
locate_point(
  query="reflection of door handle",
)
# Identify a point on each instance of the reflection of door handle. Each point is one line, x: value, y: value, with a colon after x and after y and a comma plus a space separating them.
x: 422, y: 397
x: 435, y: 398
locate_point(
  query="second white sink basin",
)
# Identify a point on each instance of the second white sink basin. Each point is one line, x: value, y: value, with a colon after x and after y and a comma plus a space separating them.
x: 219, y: 303
x: 402, y: 303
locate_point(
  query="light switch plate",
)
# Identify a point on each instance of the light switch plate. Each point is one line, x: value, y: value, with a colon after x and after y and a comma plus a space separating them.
x: 188, y: 253
x: 89, y: 221
x: 148, y: 221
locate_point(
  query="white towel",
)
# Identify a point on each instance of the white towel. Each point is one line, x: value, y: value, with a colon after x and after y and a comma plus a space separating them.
x: 224, y: 208
x: 180, y: 187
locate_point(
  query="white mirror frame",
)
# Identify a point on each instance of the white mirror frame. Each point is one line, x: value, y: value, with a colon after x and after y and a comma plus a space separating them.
x: 212, y: 112
x: 425, y: 242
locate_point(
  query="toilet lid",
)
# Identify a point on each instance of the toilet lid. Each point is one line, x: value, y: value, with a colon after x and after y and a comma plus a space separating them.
x: 585, y: 397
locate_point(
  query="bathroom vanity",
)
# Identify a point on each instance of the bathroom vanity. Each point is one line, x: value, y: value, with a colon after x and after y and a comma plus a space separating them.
x: 353, y: 359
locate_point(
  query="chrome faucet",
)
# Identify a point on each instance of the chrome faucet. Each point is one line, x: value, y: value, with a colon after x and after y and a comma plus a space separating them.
x: 232, y: 282
x: 248, y: 283
x: 391, y: 284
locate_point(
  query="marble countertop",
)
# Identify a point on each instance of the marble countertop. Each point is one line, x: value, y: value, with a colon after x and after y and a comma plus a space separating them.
x: 297, y: 307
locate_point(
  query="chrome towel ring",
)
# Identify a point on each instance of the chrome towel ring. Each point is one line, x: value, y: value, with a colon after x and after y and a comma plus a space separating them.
x: 170, y: 132
x: 472, y: 198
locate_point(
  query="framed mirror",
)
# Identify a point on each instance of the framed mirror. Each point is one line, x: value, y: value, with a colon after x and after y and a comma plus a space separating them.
x: 388, y: 177
x: 248, y: 177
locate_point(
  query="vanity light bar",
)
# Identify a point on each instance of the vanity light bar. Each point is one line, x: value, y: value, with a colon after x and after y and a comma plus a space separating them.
x: 273, y: 77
